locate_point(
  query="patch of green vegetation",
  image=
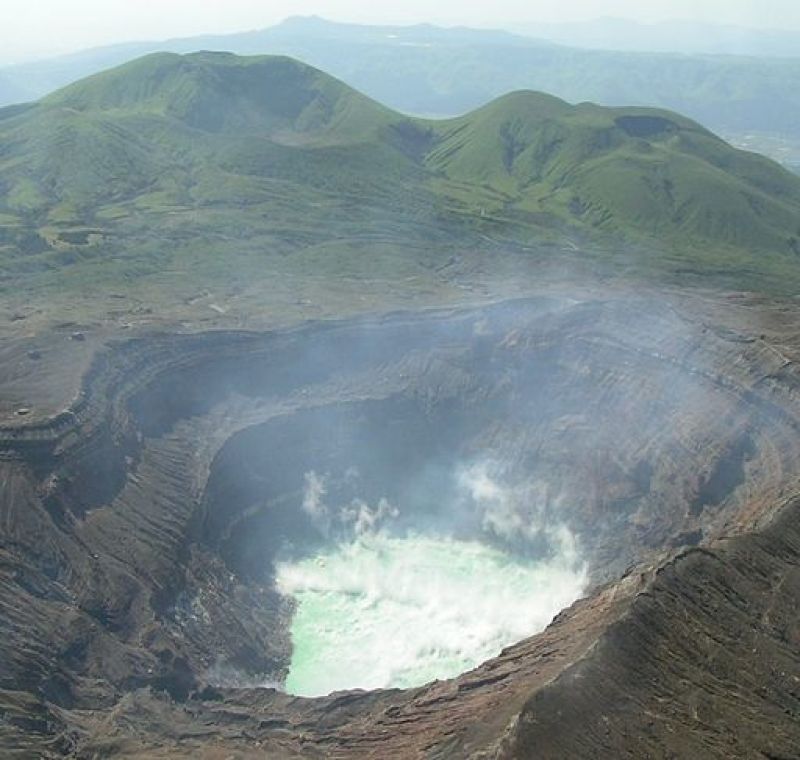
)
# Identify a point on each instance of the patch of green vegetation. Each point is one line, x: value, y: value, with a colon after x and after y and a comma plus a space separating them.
x: 24, y: 196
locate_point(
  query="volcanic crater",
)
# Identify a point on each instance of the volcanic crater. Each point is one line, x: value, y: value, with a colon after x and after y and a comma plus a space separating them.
x: 140, y: 614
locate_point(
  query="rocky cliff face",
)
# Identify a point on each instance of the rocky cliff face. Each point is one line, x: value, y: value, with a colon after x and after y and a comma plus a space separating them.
x: 704, y: 663
x: 138, y: 528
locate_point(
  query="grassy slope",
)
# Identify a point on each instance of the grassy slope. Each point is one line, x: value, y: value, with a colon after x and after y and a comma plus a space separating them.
x: 221, y: 169
x: 626, y: 170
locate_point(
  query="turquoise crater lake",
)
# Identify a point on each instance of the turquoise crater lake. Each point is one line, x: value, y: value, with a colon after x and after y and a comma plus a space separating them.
x: 382, y: 611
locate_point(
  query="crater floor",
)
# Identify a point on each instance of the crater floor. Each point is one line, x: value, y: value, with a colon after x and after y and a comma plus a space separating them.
x: 143, y: 528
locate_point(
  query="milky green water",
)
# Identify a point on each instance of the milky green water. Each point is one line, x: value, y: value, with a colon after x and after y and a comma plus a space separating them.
x: 398, y: 612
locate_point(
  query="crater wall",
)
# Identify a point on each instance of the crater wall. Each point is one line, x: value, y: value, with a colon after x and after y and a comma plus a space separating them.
x: 139, y: 526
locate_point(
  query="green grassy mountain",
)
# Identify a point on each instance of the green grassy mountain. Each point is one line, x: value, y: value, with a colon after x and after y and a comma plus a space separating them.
x: 628, y: 170
x: 214, y: 166
x: 429, y: 70
x: 217, y: 92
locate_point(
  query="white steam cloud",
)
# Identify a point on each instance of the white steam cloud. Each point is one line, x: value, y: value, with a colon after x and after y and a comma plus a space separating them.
x: 377, y: 609
x: 313, y: 496
x: 356, y: 518
x: 517, y: 514
x: 382, y: 611
x: 364, y: 519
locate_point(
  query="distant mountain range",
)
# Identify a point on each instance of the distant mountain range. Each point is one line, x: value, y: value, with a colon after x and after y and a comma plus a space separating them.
x: 427, y: 70
x: 209, y: 157
x: 12, y: 90
x: 690, y: 37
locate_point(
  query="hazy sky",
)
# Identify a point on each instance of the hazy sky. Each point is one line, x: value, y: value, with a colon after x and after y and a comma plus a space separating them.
x: 33, y: 28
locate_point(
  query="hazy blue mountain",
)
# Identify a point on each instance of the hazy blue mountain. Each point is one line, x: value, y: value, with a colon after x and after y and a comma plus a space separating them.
x: 13, y: 91
x: 670, y: 36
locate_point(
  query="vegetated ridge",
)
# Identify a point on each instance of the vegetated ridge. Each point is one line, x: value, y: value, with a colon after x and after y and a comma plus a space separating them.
x: 217, y: 164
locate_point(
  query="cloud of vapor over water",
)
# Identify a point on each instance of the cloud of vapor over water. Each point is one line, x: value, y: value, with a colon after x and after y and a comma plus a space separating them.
x: 378, y: 607
x: 517, y: 515
x: 354, y: 518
